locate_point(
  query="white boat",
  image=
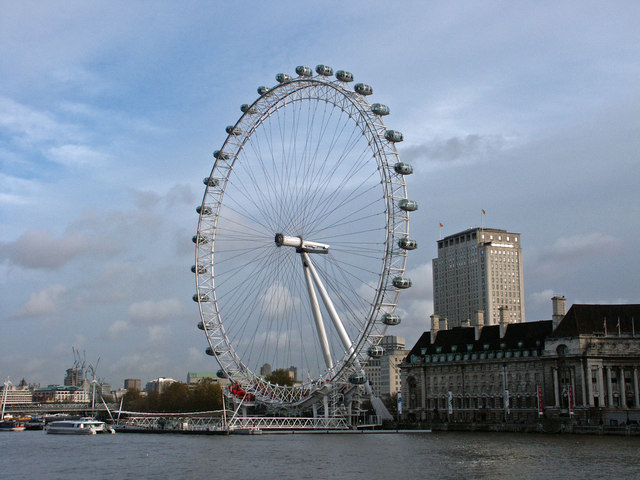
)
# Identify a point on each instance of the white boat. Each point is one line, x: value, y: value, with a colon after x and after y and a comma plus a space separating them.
x: 82, y: 426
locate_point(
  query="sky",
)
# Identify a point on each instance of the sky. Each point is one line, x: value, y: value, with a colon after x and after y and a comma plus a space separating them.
x: 109, y: 112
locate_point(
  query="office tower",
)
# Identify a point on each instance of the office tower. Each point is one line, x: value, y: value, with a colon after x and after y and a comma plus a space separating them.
x: 477, y: 278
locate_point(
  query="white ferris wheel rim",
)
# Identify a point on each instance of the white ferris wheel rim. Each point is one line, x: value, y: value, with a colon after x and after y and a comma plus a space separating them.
x: 243, y: 144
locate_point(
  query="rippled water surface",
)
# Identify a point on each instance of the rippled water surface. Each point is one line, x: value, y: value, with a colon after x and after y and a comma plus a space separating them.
x: 328, y: 456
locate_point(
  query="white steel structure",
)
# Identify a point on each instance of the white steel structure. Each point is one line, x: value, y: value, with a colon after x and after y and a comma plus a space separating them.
x: 302, y: 240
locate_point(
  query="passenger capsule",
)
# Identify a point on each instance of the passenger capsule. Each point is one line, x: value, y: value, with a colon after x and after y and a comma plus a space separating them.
x: 199, y: 239
x: 200, y: 297
x: 231, y: 130
x: 246, y: 108
x: 380, y: 109
x: 221, y: 374
x: 304, y: 71
x: 199, y: 269
x: 209, y: 325
x: 363, y: 88
x: 219, y: 154
x: 206, y: 210
x: 391, y: 319
x: 214, y: 352
x: 408, y: 205
x: 324, y: 70
x: 393, y: 136
x: 401, y: 282
x: 262, y: 90
x: 407, y: 244
x: 344, y: 76
x: 403, y: 168
x: 375, y: 351
x: 358, y: 378
x: 283, y: 77
x: 210, y: 181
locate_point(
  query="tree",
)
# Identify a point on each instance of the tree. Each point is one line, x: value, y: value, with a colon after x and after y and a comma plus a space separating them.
x: 281, y: 377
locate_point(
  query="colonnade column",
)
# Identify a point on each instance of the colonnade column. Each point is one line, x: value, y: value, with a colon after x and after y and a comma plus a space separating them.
x: 423, y: 390
x: 622, y: 389
x: 586, y: 396
x: 601, y: 401
x: 609, y: 390
x: 636, y: 396
x: 556, y: 387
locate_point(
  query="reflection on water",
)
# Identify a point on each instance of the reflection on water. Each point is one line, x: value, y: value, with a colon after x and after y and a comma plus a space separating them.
x: 334, y: 456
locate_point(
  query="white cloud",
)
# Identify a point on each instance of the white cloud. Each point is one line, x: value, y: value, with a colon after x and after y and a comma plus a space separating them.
x: 43, y: 303
x: 590, y: 244
x: 116, y: 329
x: 154, y: 312
x: 278, y: 300
x: 41, y: 250
x: 72, y: 155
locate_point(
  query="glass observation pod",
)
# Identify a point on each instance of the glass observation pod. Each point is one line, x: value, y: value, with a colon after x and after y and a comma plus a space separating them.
x: 262, y: 90
x: 393, y: 136
x: 199, y: 269
x: 357, y: 378
x: 375, y: 351
x: 214, y: 352
x: 210, y: 181
x: 344, y: 76
x: 363, y: 88
x: 220, y: 374
x: 283, y: 77
x: 407, y: 244
x: 304, y: 71
x: 200, y: 297
x: 231, y: 130
x: 246, y: 108
x: 403, y: 168
x: 380, y: 109
x: 401, y: 282
x: 324, y: 70
x: 408, y: 205
x: 220, y: 154
x: 202, y: 325
x: 199, y: 239
x: 391, y: 319
x: 204, y: 211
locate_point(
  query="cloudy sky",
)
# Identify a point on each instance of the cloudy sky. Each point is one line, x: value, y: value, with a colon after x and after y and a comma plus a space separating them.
x: 109, y: 112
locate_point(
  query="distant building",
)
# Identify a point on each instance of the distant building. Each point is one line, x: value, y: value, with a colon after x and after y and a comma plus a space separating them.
x: 159, y: 384
x: 20, y: 395
x: 133, y: 384
x: 584, y: 365
x: 479, y: 271
x: 383, y: 373
x: 293, y: 373
x: 194, y: 378
x: 74, y: 377
x: 60, y: 394
x: 265, y: 370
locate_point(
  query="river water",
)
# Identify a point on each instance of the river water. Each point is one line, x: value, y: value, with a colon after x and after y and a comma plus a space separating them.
x: 447, y: 455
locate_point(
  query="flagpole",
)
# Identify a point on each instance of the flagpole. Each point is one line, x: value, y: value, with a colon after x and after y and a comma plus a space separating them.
x: 605, y: 326
x: 440, y: 229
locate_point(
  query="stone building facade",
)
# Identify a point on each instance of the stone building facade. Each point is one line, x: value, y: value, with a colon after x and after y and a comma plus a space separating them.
x: 584, y: 365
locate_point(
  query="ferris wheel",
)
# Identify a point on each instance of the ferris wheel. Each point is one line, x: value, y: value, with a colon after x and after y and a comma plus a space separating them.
x: 302, y: 239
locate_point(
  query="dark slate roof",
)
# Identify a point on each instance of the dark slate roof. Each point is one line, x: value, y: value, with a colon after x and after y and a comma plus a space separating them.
x: 590, y: 319
x: 531, y: 334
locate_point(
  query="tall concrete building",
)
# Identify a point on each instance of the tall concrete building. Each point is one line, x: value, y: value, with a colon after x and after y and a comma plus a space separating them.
x: 383, y: 373
x: 477, y: 278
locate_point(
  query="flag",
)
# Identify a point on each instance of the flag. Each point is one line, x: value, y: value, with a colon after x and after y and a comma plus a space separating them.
x: 483, y: 212
x: 441, y: 225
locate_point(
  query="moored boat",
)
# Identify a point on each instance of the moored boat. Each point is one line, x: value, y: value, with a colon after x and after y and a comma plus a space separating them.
x: 11, y: 426
x: 82, y: 426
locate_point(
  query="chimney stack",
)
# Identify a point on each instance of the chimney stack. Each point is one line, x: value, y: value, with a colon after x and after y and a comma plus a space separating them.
x: 478, y: 322
x: 559, y: 309
x: 503, y: 320
x: 435, y: 326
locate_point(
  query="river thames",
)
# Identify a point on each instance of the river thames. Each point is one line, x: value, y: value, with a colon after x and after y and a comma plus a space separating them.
x: 448, y: 455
